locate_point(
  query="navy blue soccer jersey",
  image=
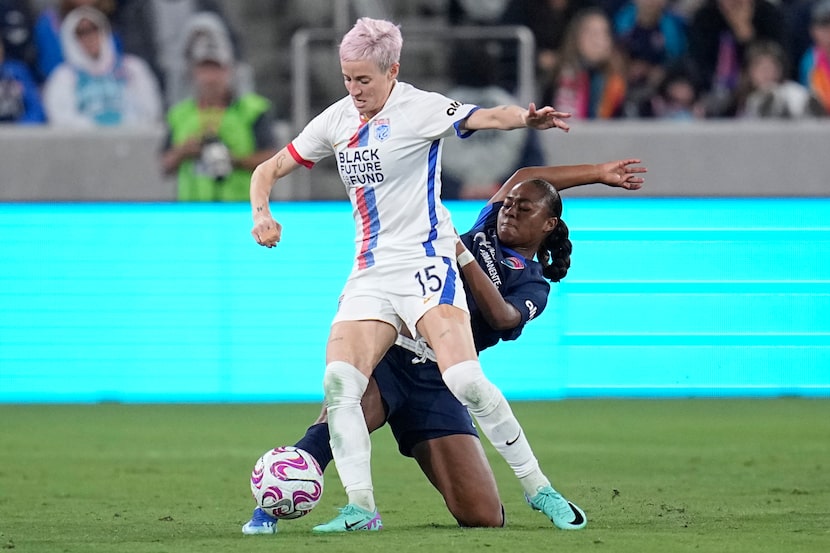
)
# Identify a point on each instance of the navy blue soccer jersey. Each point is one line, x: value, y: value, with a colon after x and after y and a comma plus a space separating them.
x: 419, y: 405
x: 520, y: 280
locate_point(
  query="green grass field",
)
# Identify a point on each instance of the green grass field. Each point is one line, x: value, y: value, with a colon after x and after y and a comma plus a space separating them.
x: 653, y: 476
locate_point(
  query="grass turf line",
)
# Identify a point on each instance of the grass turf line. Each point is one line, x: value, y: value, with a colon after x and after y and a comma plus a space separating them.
x: 652, y: 475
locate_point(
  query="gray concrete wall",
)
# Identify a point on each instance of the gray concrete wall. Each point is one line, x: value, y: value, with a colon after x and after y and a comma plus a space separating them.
x: 712, y: 158
x: 724, y: 158
x: 41, y: 163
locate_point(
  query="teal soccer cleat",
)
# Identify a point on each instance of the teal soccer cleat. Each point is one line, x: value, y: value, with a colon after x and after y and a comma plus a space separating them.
x: 260, y: 523
x: 351, y: 519
x: 564, y: 514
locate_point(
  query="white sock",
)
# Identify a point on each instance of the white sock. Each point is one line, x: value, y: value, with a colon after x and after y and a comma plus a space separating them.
x: 486, y: 403
x: 350, y: 445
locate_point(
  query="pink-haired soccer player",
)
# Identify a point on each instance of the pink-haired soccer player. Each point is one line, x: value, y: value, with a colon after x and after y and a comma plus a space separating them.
x: 386, y: 138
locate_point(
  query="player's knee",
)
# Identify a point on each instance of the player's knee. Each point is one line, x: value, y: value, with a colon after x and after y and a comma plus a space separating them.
x: 479, y: 516
x: 481, y: 510
x: 468, y: 383
x: 343, y: 381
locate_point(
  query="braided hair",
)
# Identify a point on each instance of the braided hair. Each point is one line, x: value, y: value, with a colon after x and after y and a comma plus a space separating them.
x: 555, y: 250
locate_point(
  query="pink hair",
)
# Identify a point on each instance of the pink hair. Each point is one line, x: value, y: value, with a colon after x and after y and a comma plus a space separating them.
x: 377, y: 40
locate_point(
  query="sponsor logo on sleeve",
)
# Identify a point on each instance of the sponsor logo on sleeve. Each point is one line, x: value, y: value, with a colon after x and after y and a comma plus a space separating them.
x: 513, y: 263
x: 531, y: 307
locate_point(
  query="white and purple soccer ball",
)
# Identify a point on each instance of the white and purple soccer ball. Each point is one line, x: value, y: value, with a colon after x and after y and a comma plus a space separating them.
x: 287, y: 482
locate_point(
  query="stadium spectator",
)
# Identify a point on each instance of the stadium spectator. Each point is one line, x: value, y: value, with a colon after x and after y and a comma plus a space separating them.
x: 19, y: 95
x: 765, y: 91
x: 406, y: 389
x: 47, y: 32
x: 686, y: 9
x: 164, y: 47
x: 590, y: 79
x: 611, y: 7
x: 17, y: 31
x: 678, y: 96
x: 718, y: 36
x: 548, y: 20
x: 97, y: 86
x: 814, y: 68
x: 798, y: 40
x: 217, y: 136
x: 386, y: 136
x: 649, y: 30
x: 652, y: 37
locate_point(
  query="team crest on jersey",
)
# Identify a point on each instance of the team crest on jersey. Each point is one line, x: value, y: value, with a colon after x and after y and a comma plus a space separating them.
x: 382, y: 129
x: 513, y: 263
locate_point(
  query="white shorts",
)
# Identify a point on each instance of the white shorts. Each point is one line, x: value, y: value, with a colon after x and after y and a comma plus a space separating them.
x: 400, y: 295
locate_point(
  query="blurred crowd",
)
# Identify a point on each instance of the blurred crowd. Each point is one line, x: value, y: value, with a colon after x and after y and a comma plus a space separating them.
x: 673, y: 59
x: 129, y: 63
x: 88, y: 63
x: 92, y: 62
x: 680, y: 60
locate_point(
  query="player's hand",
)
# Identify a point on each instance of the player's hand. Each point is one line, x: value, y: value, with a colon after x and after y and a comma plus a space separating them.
x: 267, y: 231
x: 622, y: 174
x: 545, y: 118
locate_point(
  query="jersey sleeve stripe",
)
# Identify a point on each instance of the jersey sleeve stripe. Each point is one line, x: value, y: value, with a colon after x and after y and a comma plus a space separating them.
x: 297, y: 157
x: 457, y: 124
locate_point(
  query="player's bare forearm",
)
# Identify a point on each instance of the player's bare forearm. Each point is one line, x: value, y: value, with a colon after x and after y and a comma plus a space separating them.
x: 622, y: 174
x: 261, y: 184
x: 267, y: 231
x: 560, y: 176
x: 515, y: 117
x: 263, y: 178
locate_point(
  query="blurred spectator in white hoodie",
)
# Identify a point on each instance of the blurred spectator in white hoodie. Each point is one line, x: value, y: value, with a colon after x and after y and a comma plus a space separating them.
x: 765, y: 91
x: 155, y: 30
x: 95, y: 85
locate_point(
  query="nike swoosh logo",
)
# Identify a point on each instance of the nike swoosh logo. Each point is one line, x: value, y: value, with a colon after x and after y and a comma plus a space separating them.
x: 577, y: 515
x: 514, y: 440
x: 351, y: 525
x: 426, y: 300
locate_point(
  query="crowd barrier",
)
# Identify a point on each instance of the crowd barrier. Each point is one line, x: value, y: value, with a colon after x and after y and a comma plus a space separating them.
x: 704, y: 159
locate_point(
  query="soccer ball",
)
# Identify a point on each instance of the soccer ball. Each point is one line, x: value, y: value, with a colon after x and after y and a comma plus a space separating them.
x: 287, y: 482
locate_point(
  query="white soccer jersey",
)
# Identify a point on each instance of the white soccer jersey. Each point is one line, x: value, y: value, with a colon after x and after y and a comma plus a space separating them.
x: 391, y: 167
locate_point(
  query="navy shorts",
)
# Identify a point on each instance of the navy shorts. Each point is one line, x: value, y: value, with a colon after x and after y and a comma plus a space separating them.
x: 419, y: 405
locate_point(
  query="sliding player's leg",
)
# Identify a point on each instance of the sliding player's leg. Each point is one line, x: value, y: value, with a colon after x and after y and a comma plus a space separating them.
x: 447, y: 330
x: 458, y: 468
x: 432, y: 426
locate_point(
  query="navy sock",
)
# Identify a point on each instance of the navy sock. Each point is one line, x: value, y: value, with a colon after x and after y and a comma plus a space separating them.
x: 316, y: 442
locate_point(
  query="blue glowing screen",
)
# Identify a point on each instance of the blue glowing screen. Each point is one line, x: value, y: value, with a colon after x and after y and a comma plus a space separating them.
x: 175, y: 302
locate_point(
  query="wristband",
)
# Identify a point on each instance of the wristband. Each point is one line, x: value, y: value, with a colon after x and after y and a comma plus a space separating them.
x: 464, y: 259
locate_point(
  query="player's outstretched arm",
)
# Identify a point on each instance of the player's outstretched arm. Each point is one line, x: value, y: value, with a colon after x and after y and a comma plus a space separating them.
x: 267, y: 231
x: 506, y: 118
x: 624, y: 173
